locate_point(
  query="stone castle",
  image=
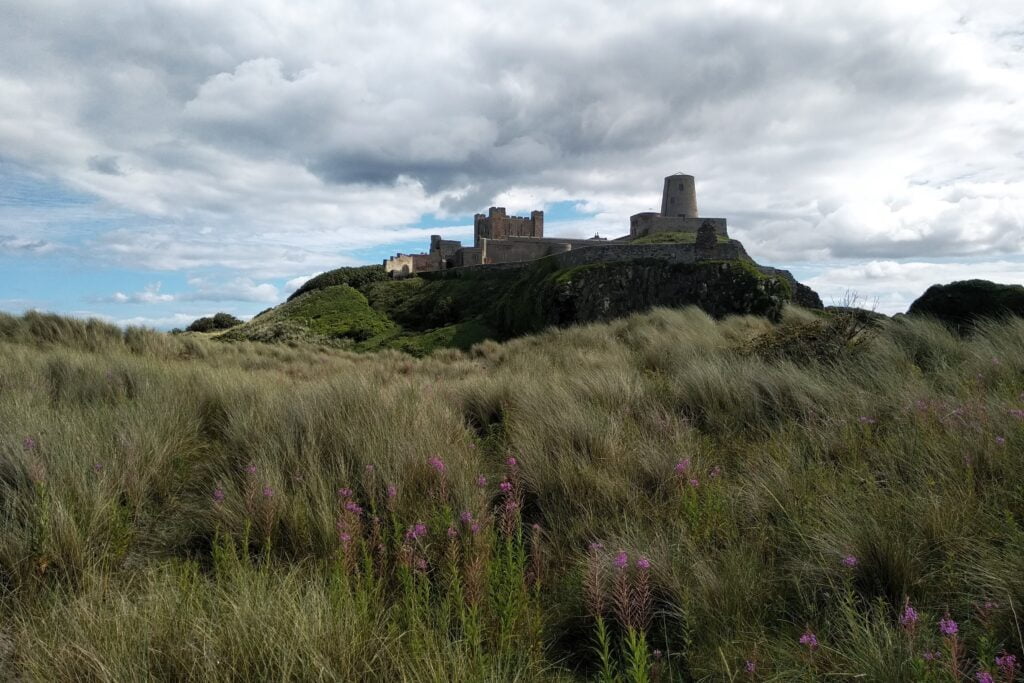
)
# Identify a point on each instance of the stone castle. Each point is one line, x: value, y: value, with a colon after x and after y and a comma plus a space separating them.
x: 502, y: 239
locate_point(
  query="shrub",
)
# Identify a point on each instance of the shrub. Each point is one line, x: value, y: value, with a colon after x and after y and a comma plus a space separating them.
x: 961, y: 304
x: 355, y: 277
x: 219, y: 321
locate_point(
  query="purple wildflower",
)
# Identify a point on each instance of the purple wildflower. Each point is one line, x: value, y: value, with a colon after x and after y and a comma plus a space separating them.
x: 750, y: 666
x: 466, y: 517
x: 218, y: 495
x: 1017, y: 413
x: 1000, y: 440
x: 695, y: 483
x: 345, y: 493
x: 452, y: 533
x: 682, y: 466
x: 621, y: 560
x: 948, y: 627
x: 512, y: 462
x: 810, y: 640
x: 909, y: 616
x: 416, y: 531
x: 268, y: 492
x: 29, y: 444
x: 250, y: 469
x: 850, y: 561
x: 437, y: 464
x: 370, y: 468
x: 474, y: 528
x: 596, y: 547
x: 481, y: 481
x: 354, y: 507
x: 97, y: 467
x: 505, y: 486
x: 931, y: 656
x: 866, y: 420
x: 1007, y: 663
x: 643, y: 563
x: 392, y: 491
x: 984, y: 677
x: 344, y: 537
x: 715, y: 472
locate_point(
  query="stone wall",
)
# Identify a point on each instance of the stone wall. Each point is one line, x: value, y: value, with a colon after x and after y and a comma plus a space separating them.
x: 497, y: 225
x: 648, y: 223
x: 404, y: 265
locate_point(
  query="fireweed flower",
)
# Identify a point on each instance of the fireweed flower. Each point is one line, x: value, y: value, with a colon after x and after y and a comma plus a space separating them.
x: 474, y: 528
x: 345, y: 493
x: 392, y: 491
x: 481, y: 481
x: 354, y: 507
x: 466, y: 517
x: 850, y: 561
x: 682, y: 466
x: 984, y: 677
x: 695, y: 483
x: 511, y: 462
x: 505, y: 486
x: 416, y: 531
x: 909, y: 616
x: 810, y: 640
x: 595, y: 547
x: 218, y: 495
x: 250, y: 469
x: 1007, y: 664
x: 621, y: 560
x: 948, y: 627
x: 437, y: 464
x: 643, y: 563
x: 344, y: 537
x: 268, y: 492
x: 750, y: 666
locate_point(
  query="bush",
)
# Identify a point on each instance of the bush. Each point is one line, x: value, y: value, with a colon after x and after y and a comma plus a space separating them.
x: 219, y: 321
x: 962, y: 304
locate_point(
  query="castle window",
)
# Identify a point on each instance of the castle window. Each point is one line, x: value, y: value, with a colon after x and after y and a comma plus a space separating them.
x: 680, y: 187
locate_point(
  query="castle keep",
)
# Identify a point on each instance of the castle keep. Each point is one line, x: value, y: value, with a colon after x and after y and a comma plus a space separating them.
x: 500, y: 238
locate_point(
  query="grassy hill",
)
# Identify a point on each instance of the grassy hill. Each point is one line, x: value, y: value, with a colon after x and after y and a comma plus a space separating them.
x: 457, y: 310
x: 662, y: 497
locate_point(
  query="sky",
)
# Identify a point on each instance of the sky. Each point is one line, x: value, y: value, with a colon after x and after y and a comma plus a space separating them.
x: 166, y: 159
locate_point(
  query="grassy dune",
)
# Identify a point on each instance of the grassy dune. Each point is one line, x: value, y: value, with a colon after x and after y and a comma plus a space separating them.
x: 641, y: 500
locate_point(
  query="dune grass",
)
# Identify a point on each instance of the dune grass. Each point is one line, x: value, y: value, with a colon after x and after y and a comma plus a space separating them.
x: 648, y: 499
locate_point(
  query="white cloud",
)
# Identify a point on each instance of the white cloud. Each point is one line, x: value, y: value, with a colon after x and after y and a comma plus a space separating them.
x: 271, y: 139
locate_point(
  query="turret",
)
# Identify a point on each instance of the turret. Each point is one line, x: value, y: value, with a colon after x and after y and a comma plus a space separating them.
x: 679, y: 198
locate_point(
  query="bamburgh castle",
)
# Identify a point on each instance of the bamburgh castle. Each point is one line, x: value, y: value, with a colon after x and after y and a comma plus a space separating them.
x: 500, y: 238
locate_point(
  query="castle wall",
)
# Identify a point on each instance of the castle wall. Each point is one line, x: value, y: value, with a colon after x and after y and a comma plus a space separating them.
x: 648, y: 223
x: 404, y: 265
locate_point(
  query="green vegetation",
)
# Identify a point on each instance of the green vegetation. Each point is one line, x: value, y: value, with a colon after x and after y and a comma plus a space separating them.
x: 678, y: 507
x: 961, y: 304
x: 215, y: 323
x: 355, y: 277
x: 673, y: 238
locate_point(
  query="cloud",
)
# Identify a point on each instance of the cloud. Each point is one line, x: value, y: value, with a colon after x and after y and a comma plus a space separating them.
x: 273, y: 140
x: 203, y: 289
x: 11, y: 243
x: 150, y: 295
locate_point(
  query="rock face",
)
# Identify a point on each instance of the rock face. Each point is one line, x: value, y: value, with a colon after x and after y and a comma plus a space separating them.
x: 961, y: 304
x: 603, y: 291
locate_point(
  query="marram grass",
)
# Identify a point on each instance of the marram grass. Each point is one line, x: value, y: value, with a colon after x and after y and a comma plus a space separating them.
x: 645, y: 500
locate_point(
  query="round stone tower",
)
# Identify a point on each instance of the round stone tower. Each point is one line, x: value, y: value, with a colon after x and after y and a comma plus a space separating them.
x: 679, y: 198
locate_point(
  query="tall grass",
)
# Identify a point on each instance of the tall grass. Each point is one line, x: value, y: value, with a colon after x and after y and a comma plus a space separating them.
x: 641, y: 500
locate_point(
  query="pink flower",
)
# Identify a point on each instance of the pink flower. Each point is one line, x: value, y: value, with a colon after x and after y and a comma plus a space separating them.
x: 749, y: 666
x: 218, y: 495
x: 29, y: 443
x: 621, y: 560
x: 810, y: 640
x: 268, y: 492
x: 344, y: 537
x: 354, y: 507
x: 1007, y: 663
x: 984, y: 677
x: 909, y: 616
x: 850, y: 561
x: 481, y: 481
x: 511, y: 462
x: 595, y: 547
x: 370, y: 468
x: 345, y: 493
x: 474, y: 528
x: 643, y: 563
x: 683, y: 466
x: 436, y: 463
x: 715, y: 472
x: 392, y: 491
x: 250, y: 469
x: 416, y: 531
x: 866, y: 420
x: 1000, y: 440
x: 931, y: 656
x: 695, y: 483
x: 452, y: 533
x: 948, y: 627
x: 466, y: 517
x: 505, y: 486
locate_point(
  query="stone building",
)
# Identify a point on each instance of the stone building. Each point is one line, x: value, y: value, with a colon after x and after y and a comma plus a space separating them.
x: 678, y: 211
x: 500, y: 238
